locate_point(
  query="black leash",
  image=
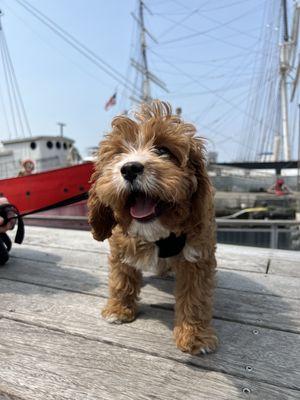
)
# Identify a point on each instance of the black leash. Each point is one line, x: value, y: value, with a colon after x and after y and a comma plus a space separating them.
x: 62, y: 203
x: 10, y: 209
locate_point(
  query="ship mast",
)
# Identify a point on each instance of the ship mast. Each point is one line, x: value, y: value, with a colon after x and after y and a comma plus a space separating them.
x: 142, y: 67
x: 287, y: 59
x: 284, y: 69
x: 145, y: 81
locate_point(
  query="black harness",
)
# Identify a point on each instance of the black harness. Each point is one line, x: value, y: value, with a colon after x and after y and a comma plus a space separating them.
x: 171, y: 246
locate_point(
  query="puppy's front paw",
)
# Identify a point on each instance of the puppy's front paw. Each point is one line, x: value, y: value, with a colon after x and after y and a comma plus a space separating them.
x: 194, y: 340
x: 118, y: 314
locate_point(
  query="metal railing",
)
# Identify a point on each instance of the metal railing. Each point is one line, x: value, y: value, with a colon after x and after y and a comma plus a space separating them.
x: 275, y: 234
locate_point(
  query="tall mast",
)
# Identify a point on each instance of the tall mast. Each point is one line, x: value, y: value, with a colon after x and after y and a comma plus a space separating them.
x: 284, y: 68
x: 142, y: 66
x: 145, y: 76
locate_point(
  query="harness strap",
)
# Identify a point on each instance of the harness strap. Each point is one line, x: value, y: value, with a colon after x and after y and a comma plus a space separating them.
x: 171, y: 246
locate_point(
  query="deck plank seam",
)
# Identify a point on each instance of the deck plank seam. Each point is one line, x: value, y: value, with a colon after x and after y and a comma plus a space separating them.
x: 268, y: 266
x: 16, y: 257
x: 237, y: 321
x: 164, y: 308
x: 259, y: 293
x: 97, y: 295
x: 190, y: 363
x: 63, y: 248
x: 54, y: 287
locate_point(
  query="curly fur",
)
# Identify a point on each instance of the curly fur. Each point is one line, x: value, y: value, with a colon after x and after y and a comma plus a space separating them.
x: 180, y: 181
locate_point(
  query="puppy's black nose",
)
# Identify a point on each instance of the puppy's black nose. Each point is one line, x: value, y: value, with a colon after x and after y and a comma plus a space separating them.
x: 131, y: 170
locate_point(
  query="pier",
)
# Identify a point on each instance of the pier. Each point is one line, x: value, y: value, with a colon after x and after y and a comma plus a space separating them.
x: 54, y: 345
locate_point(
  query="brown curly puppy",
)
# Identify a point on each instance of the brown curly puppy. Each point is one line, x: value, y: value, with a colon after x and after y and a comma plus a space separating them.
x: 152, y: 197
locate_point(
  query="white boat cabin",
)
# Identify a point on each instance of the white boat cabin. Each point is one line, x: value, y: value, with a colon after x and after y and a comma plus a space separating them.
x: 46, y: 152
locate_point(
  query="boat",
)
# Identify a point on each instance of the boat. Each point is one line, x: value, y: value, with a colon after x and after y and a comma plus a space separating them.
x: 38, y: 171
x: 43, y: 189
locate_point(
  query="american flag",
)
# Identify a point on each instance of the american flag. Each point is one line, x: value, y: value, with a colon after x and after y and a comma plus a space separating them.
x: 111, y: 102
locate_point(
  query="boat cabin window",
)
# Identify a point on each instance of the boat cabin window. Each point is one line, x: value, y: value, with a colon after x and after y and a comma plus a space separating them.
x: 49, y: 144
x: 58, y: 145
x: 33, y: 145
x: 65, y: 146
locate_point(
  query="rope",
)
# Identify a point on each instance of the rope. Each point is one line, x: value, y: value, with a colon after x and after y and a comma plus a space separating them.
x: 12, y: 112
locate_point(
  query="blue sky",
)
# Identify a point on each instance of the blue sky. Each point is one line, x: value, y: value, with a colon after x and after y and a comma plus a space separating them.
x: 205, y: 54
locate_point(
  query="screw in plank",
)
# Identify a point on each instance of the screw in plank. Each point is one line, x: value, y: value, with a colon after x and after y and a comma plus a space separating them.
x: 246, y: 390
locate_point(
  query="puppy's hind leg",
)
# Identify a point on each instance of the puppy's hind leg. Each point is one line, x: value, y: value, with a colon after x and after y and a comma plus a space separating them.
x: 193, y: 310
x: 124, y: 287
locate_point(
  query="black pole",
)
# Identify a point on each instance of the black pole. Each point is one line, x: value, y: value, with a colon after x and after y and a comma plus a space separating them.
x: 285, y: 22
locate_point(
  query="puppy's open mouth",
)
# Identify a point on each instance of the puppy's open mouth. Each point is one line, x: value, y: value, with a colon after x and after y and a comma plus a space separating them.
x: 143, y: 208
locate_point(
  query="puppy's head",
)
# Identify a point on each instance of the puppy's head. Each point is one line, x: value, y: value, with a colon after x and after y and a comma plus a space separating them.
x: 150, y: 176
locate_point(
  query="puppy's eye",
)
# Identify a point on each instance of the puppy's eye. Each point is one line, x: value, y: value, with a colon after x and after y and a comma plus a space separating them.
x: 162, y: 151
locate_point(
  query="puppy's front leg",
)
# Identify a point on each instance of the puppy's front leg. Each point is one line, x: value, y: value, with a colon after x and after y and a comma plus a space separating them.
x: 124, y: 287
x: 193, y: 311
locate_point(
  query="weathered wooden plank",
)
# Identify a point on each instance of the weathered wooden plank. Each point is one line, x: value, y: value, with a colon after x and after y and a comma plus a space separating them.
x: 65, y: 256
x: 255, y: 283
x: 273, y: 356
x: 52, y: 237
x: 4, y: 396
x: 43, y: 364
x: 236, y: 262
x: 271, y: 284
x: 262, y: 309
x: 59, y: 242
x: 274, y: 285
x: 62, y: 238
x: 79, y: 257
x: 71, y: 257
x: 65, y: 238
x: 88, y: 273
x: 56, y: 275
x: 232, y: 257
x: 257, y: 300
x: 282, y: 262
x: 286, y: 267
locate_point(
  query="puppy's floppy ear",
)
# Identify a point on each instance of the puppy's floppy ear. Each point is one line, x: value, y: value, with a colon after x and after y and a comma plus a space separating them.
x: 100, y: 216
x: 202, y: 198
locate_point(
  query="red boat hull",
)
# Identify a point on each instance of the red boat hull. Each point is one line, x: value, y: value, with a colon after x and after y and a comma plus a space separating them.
x: 29, y: 193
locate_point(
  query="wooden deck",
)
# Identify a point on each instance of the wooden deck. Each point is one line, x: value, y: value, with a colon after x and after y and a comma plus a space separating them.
x: 54, y: 345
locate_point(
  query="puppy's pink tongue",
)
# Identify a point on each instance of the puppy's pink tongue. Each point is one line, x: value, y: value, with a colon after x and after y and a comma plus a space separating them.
x: 143, y: 207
